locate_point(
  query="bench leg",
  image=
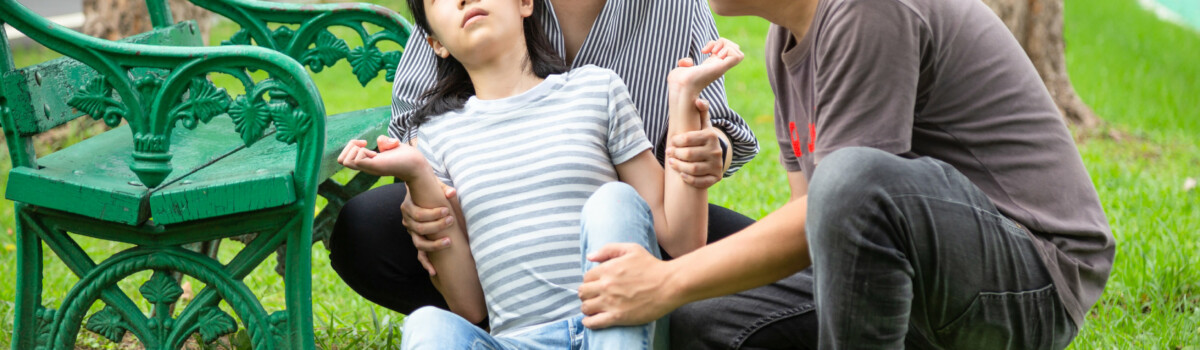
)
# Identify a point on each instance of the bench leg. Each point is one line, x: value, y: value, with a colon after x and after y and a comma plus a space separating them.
x: 336, y: 196
x: 29, y: 319
x: 298, y: 283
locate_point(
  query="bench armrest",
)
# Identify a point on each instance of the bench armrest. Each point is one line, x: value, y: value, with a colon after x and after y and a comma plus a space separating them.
x: 157, y: 87
x: 314, y: 21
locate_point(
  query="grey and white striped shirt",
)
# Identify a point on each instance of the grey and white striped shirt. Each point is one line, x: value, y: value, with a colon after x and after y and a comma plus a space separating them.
x: 523, y: 184
x: 640, y: 40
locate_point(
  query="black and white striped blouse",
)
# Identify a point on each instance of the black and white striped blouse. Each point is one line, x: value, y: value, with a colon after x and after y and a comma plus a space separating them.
x: 638, y: 39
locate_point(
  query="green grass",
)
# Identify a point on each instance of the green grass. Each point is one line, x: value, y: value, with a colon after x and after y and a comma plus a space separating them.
x: 1140, y: 74
x: 1137, y: 72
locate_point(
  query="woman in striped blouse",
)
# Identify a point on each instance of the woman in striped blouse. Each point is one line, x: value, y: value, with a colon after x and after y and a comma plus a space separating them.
x: 640, y: 41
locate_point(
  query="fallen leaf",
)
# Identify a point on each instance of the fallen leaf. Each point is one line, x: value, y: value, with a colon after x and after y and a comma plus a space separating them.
x: 1189, y: 184
x: 187, y: 291
x: 10, y: 232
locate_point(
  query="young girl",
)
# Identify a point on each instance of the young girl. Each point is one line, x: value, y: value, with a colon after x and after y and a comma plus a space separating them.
x: 535, y: 153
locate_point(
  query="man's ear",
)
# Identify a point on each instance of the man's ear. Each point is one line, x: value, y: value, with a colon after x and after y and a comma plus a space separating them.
x: 526, y: 8
x: 437, y: 47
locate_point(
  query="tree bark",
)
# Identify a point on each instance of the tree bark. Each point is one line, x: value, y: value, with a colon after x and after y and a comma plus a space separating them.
x: 1038, y: 26
x: 116, y: 19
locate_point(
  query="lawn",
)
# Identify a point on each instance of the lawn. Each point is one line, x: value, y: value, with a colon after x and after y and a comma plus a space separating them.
x: 1139, y: 73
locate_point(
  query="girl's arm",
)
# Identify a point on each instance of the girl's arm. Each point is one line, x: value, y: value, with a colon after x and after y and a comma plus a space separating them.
x: 456, y: 277
x: 680, y: 210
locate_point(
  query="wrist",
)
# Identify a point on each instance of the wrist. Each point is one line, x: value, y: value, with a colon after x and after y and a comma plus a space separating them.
x: 417, y: 172
x: 683, y: 91
x: 675, y: 285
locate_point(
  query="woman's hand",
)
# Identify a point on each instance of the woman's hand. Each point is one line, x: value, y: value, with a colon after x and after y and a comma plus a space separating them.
x: 696, y: 155
x: 427, y: 222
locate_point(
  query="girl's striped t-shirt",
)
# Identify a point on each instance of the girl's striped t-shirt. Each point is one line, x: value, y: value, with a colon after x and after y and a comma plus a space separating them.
x: 523, y: 167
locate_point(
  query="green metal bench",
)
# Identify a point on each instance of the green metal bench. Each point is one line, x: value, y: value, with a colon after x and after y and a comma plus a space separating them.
x: 250, y: 165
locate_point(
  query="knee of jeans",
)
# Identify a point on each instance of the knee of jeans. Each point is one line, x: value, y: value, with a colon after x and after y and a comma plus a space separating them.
x: 842, y: 183
x: 613, y: 198
x: 426, y: 323
x: 615, y: 208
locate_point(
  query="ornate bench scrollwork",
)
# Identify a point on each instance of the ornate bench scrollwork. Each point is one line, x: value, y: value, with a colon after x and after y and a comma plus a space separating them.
x: 241, y: 163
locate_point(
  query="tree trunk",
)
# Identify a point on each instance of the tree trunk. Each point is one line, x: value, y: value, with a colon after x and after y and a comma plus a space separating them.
x: 1038, y: 26
x: 116, y: 19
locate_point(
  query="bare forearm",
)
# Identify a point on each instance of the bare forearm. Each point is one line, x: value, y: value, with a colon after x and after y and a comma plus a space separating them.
x: 765, y: 252
x: 456, y: 279
x: 685, y: 206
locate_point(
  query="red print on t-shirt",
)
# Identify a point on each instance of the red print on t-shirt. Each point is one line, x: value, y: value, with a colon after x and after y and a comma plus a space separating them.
x: 795, y: 136
x: 795, y: 139
x: 812, y: 136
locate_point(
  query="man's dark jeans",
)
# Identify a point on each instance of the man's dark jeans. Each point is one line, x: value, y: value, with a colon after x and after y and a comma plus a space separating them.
x: 910, y: 253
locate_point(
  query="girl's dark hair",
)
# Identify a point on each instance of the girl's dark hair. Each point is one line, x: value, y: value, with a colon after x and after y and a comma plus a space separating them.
x: 453, y: 86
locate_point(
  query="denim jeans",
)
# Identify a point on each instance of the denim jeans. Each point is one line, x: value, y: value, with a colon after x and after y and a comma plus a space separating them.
x: 910, y: 253
x: 781, y: 315
x: 615, y: 213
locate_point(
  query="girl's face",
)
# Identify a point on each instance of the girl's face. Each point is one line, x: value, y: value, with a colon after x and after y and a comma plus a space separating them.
x: 474, y: 30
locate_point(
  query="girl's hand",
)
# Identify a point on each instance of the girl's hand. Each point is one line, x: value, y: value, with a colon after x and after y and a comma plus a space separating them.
x: 351, y: 152
x: 386, y: 143
x: 402, y: 161
x: 723, y: 55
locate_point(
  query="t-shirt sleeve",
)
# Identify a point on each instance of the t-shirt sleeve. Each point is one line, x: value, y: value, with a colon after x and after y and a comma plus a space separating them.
x: 868, y: 59
x: 414, y: 74
x: 626, y: 136
x: 435, y: 162
x: 786, y: 132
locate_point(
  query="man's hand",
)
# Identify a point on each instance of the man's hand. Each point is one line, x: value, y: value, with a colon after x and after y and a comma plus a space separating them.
x: 696, y: 155
x: 627, y: 288
x: 425, y: 222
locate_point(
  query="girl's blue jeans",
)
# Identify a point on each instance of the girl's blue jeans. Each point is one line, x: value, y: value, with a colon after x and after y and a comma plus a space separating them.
x: 615, y: 213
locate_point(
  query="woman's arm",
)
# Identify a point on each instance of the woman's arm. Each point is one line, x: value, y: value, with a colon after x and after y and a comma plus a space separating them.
x: 414, y: 74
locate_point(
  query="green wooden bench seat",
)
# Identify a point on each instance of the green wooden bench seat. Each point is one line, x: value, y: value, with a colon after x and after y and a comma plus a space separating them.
x: 90, y: 177
x: 185, y: 165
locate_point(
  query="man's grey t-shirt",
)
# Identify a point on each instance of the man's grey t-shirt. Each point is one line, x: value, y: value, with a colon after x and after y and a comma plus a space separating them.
x: 944, y: 79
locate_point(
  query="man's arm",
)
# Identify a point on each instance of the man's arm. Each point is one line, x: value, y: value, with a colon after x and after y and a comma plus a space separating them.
x: 798, y: 184
x: 631, y: 287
